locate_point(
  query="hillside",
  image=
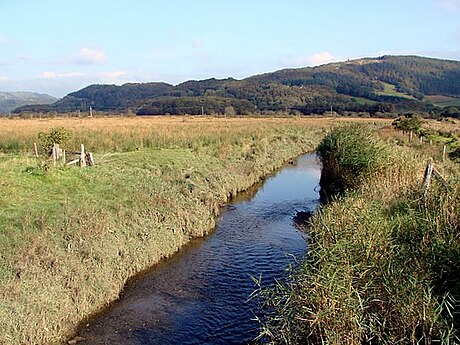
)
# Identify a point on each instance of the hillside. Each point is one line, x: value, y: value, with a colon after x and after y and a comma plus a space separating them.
x: 11, y: 100
x: 384, y: 84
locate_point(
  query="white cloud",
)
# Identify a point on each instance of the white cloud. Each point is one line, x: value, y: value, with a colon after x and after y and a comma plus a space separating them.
x: 55, y: 75
x: 450, y: 4
x: 3, y: 78
x: 112, y: 77
x: 310, y: 60
x: 89, y: 56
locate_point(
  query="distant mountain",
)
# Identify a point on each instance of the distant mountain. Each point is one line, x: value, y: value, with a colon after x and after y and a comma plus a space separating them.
x: 374, y: 85
x: 11, y: 100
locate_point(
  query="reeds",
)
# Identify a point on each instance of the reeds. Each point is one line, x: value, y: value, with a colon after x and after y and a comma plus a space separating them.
x: 382, y: 266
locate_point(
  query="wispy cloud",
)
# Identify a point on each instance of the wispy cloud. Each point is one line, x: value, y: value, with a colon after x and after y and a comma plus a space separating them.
x: 89, y: 56
x: 3, y: 78
x: 309, y: 60
x: 449, y: 4
x: 112, y: 77
x: 55, y: 75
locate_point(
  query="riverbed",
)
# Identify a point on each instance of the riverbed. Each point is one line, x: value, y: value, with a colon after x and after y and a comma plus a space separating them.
x: 201, y: 294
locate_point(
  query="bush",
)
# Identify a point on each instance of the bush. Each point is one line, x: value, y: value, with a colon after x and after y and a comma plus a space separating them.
x: 57, y: 135
x: 408, y: 124
x: 348, y: 155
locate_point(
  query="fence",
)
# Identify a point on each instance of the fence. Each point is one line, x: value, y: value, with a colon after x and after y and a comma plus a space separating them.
x: 59, y: 156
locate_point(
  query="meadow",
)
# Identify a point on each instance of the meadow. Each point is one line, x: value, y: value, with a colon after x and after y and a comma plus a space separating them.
x: 383, y: 259
x: 390, y: 90
x: 444, y: 101
x: 70, y: 238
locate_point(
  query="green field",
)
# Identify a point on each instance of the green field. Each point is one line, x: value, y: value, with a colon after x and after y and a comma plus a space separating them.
x: 390, y: 90
x: 363, y: 100
x: 444, y: 101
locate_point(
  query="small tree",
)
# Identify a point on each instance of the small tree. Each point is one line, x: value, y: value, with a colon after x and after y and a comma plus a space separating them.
x: 57, y: 135
x: 408, y: 124
x: 229, y: 110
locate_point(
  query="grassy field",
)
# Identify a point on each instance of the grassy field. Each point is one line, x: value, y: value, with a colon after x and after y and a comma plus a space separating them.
x: 390, y: 90
x: 444, y: 101
x: 71, y: 237
x: 365, y: 101
x: 384, y: 260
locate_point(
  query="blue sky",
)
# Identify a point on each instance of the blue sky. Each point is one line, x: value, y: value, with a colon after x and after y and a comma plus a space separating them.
x: 58, y: 46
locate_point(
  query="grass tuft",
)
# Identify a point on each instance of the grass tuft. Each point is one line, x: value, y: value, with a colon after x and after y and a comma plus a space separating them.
x: 349, y: 155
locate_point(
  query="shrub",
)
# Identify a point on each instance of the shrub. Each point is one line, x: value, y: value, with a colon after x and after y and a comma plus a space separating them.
x: 348, y: 155
x: 408, y: 124
x: 57, y: 135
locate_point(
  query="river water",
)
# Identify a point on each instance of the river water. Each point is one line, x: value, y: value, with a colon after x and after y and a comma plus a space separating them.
x: 200, y: 295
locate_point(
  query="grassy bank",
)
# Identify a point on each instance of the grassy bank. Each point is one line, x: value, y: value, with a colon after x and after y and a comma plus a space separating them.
x: 383, y: 265
x: 70, y: 237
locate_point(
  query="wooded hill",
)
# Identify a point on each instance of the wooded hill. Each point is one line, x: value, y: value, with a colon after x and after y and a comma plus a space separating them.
x: 11, y: 100
x: 381, y: 85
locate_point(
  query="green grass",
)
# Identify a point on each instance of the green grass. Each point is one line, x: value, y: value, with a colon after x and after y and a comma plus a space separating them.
x: 349, y: 155
x: 390, y: 90
x: 364, y: 101
x: 444, y: 101
x: 382, y: 266
x: 70, y: 237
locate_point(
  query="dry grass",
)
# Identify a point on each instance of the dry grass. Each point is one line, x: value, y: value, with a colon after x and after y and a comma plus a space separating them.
x: 129, y: 133
x: 70, y: 238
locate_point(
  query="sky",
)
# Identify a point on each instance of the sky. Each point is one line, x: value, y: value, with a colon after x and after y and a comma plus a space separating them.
x: 58, y: 46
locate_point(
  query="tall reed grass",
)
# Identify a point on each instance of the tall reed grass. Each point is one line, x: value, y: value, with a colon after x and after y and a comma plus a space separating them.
x: 383, y: 265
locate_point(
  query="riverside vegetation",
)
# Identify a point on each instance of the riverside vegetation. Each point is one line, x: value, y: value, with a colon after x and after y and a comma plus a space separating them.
x: 70, y: 238
x: 383, y: 265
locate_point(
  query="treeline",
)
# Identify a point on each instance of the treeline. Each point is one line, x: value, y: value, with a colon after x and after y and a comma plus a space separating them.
x: 352, y: 86
x: 197, y: 106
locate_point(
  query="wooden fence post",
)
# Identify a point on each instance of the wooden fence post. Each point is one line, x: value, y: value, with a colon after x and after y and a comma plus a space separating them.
x: 54, y: 154
x: 91, y: 159
x: 427, y: 178
x: 82, y: 156
x: 444, y: 153
x: 36, y: 150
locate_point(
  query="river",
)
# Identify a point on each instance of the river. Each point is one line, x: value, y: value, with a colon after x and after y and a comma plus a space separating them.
x: 200, y: 295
